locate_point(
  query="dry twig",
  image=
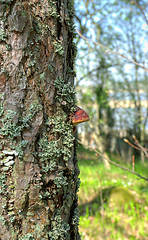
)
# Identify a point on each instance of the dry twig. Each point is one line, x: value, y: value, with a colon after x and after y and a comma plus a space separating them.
x: 137, y: 145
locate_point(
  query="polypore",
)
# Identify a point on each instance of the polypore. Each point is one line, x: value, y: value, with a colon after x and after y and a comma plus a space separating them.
x: 79, y: 116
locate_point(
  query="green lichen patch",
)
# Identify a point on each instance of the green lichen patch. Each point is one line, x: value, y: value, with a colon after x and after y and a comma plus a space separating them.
x: 60, y: 228
x: 20, y: 148
x: 53, y: 9
x: 49, y: 154
x: 59, y: 48
x: 13, y: 130
x: 3, y: 186
x: 28, y: 236
x: 65, y: 93
x: 59, y: 147
x: 2, y: 220
x: 30, y: 114
x: 60, y: 181
x: 75, y: 217
x: 3, y: 35
x: 1, y: 110
x: 9, y: 128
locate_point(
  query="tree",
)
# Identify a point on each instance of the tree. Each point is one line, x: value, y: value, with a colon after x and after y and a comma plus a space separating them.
x: 115, y: 36
x: 39, y: 172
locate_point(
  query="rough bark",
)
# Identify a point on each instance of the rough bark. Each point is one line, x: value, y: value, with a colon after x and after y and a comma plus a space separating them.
x: 38, y: 164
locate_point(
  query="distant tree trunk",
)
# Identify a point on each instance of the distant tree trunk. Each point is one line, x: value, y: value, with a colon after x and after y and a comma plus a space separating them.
x: 38, y: 164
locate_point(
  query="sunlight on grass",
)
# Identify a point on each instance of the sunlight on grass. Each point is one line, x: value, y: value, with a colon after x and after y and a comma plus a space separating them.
x: 113, y: 203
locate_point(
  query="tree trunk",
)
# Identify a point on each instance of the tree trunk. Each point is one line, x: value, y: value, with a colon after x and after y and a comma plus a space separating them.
x: 38, y: 164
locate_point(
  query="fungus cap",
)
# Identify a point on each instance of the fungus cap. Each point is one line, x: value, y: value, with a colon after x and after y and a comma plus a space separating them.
x: 79, y: 116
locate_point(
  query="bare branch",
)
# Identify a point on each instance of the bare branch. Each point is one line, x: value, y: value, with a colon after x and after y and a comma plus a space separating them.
x: 132, y: 145
x: 109, y: 50
x: 115, y: 164
x: 138, y: 145
x: 142, y: 11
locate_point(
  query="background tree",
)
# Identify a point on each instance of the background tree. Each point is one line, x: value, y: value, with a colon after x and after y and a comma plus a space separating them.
x: 39, y: 172
x: 119, y: 26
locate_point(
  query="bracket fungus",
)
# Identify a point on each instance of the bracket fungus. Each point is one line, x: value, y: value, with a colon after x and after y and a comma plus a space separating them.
x: 79, y: 116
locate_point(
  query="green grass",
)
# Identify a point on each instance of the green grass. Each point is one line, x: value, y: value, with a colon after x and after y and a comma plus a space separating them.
x: 113, y: 203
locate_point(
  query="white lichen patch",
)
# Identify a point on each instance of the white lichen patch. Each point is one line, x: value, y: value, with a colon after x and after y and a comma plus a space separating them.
x: 8, y: 164
x: 10, y: 152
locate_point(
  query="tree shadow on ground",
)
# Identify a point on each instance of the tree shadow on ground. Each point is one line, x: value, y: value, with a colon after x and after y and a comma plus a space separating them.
x: 116, y: 197
x: 107, y: 221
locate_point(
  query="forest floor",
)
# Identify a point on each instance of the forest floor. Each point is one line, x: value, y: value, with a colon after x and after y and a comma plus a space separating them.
x: 113, y: 203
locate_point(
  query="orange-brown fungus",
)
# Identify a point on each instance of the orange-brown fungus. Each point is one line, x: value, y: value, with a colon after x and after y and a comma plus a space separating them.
x: 79, y: 116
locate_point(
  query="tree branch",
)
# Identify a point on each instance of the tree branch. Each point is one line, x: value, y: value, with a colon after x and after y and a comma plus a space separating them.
x: 109, y: 50
x: 142, y: 11
x: 132, y: 145
x: 115, y: 164
x: 138, y: 145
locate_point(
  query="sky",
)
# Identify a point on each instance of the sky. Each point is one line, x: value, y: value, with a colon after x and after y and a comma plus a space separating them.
x: 114, y: 25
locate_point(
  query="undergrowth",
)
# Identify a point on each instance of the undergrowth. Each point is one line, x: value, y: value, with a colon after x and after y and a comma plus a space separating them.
x: 113, y: 204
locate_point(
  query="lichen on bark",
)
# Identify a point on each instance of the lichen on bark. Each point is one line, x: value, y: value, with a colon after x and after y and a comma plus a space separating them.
x: 39, y: 172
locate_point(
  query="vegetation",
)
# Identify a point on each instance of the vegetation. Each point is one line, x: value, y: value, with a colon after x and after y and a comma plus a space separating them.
x: 112, y: 71
x: 113, y: 204
x: 112, y: 86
